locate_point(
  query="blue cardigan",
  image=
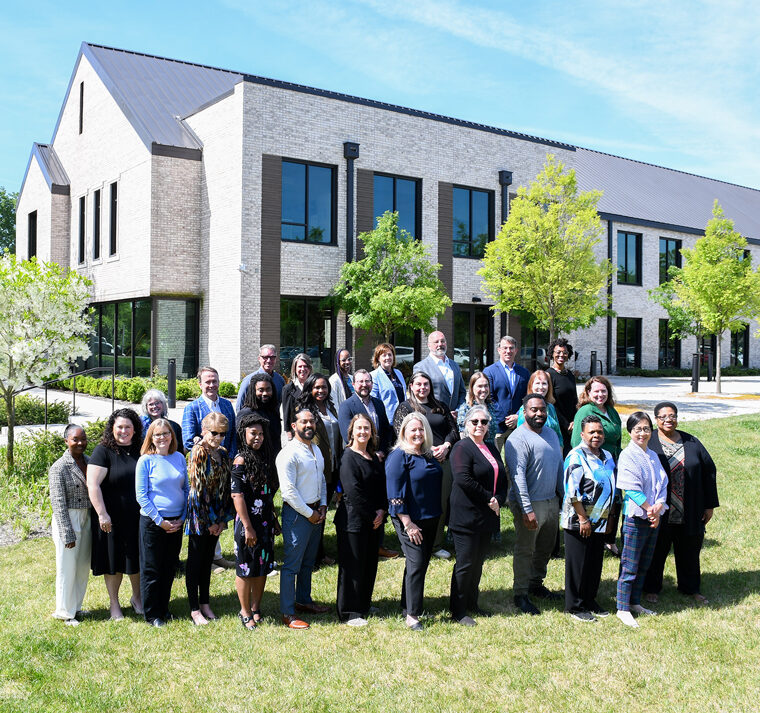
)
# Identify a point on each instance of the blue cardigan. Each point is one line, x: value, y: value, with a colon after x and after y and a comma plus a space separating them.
x: 414, y: 485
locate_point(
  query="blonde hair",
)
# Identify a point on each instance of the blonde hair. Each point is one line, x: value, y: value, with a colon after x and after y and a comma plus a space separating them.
x: 215, y: 419
x: 148, y: 446
x: 403, y: 444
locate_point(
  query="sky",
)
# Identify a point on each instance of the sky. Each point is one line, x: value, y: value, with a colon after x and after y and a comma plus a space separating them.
x: 669, y: 83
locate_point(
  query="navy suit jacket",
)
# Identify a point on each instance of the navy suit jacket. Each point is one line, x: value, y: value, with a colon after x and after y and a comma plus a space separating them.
x: 196, y: 411
x: 506, y: 401
x: 352, y: 406
x: 440, y: 388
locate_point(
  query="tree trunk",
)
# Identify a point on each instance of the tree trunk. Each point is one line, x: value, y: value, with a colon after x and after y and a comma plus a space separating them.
x: 717, y: 363
x: 10, y: 407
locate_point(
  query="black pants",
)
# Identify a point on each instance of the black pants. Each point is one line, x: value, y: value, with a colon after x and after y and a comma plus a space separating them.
x: 583, y: 569
x: 417, y: 561
x: 357, y: 569
x: 200, y: 555
x: 159, y: 554
x: 321, y: 551
x: 686, y: 550
x: 471, y: 549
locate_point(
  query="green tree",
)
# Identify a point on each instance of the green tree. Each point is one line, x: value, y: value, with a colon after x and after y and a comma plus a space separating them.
x: 394, y: 285
x: 43, y: 326
x: 8, y: 203
x: 542, y: 262
x: 716, y: 289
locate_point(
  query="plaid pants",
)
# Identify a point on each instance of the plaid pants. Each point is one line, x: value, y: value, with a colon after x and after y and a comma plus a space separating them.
x: 639, y: 540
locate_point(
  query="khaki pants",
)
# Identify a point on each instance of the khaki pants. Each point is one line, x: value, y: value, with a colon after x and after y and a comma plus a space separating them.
x: 533, y: 548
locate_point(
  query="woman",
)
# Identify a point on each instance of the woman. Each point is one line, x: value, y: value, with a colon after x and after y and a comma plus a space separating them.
x: 111, y: 486
x: 253, y: 488
x: 478, y: 491
x: 589, y: 495
x: 162, y: 490
x: 540, y: 383
x: 71, y: 525
x: 478, y: 394
x: 692, y: 498
x: 300, y: 369
x: 154, y: 405
x: 359, y: 521
x: 316, y: 398
x: 645, y: 483
x: 208, y: 511
x: 387, y: 381
x: 445, y: 433
x: 341, y: 382
x: 565, y: 390
x: 261, y: 398
x: 413, y: 480
x: 597, y: 398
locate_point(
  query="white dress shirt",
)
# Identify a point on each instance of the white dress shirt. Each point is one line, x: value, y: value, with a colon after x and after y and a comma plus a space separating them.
x: 301, y: 469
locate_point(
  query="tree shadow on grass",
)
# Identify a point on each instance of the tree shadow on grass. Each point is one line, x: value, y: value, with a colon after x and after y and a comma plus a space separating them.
x: 722, y: 589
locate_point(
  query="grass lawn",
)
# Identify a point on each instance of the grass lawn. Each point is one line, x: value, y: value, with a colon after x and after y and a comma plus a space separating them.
x: 686, y: 659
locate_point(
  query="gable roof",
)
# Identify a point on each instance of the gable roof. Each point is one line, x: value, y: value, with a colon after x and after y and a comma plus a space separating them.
x: 51, y: 167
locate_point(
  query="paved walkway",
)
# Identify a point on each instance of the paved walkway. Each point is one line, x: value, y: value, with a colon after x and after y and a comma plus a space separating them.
x: 741, y: 395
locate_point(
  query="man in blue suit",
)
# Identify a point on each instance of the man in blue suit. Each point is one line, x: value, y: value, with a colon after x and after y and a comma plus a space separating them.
x: 194, y: 413
x: 509, y: 385
x: 444, y: 373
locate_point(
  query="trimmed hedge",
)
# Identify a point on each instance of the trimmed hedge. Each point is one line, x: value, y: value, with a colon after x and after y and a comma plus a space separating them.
x: 30, y: 410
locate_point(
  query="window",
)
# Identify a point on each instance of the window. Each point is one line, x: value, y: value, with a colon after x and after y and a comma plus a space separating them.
x: 113, y: 215
x: 473, y: 221
x: 31, y: 238
x: 308, y: 203
x: 96, y: 225
x: 81, y: 106
x: 306, y: 326
x: 670, y: 256
x: 473, y: 339
x: 669, y: 353
x: 707, y: 348
x: 392, y: 193
x: 740, y: 347
x: 533, y: 343
x: 82, y: 215
x: 628, y: 343
x: 629, y: 258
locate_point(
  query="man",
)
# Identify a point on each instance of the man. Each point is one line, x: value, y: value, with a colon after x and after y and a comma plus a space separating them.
x: 300, y: 468
x: 364, y: 403
x: 509, y: 384
x: 194, y: 413
x: 261, y: 399
x: 448, y: 384
x: 534, y: 457
x: 267, y: 364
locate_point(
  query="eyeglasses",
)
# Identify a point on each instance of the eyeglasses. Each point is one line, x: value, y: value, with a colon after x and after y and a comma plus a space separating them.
x: 163, y: 434
x: 480, y: 421
x: 266, y: 357
x: 668, y: 417
x: 642, y: 429
x: 217, y: 434
x: 560, y: 352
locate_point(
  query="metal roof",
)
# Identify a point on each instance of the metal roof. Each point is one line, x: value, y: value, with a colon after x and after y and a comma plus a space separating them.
x: 51, y: 167
x: 657, y: 196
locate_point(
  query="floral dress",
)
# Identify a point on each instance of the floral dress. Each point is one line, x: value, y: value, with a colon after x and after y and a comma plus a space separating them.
x: 256, y: 561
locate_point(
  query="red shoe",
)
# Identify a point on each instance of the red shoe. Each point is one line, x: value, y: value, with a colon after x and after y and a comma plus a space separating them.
x: 388, y: 554
x: 294, y: 623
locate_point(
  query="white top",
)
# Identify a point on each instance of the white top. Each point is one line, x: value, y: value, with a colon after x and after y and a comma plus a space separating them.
x: 301, y: 470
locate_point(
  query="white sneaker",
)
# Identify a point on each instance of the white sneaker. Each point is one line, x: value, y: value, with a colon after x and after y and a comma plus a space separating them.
x: 442, y: 554
x: 357, y: 622
x: 627, y: 618
x: 71, y: 622
x: 638, y: 609
x: 274, y: 573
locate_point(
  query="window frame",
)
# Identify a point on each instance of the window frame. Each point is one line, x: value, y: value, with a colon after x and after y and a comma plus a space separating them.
x: 333, y: 203
x: 97, y: 209
x: 417, y: 235
x: 113, y: 219
x: 736, y: 335
x: 675, y: 349
x: 637, y: 324
x: 678, y: 244
x: 491, y: 228
x: 31, y: 235
x: 82, y: 232
x: 639, y: 277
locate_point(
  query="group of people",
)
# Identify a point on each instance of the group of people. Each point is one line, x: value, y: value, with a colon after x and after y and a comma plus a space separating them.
x: 430, y: 454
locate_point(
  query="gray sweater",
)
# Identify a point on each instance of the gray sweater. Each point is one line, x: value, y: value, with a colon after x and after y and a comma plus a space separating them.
x: 535, y: 465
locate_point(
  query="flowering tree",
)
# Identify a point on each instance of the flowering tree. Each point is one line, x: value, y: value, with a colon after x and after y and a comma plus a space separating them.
x: 43, y: 326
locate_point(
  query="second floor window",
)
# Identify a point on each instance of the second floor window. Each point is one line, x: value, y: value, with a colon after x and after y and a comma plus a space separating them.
x: 308, y: 203
x: 392, y: 193
x: 31, y: 242
x: 629, y: 258
x: 473, y: 224
x: 670, y: 256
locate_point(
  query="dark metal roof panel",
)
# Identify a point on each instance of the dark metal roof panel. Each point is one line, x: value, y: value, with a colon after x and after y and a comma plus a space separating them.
x: 661, y: 195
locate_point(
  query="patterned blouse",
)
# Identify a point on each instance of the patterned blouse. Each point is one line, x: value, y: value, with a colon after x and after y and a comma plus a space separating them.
x: 210, y: 500
x: 589, y: 480
x: 68, y: 490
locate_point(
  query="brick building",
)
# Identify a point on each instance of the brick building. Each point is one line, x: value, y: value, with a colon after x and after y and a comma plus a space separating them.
x: 213, y: 210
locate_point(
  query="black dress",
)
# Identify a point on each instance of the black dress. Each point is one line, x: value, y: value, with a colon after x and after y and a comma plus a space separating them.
x: 117, y: 551
x: 565, y: 402
x: 256, y: 561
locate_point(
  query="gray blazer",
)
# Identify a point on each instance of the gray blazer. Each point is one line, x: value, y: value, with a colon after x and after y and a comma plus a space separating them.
x: 440, y: 388
x: 68, y: 489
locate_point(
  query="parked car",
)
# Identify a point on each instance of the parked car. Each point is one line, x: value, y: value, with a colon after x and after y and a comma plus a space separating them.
x: 527, y: 357
x: 404, y: 355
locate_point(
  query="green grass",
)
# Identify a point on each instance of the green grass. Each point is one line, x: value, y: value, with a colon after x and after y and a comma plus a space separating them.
x: 686, y: 659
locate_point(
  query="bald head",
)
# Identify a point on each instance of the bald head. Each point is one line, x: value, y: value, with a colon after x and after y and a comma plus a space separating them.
x: 437, y: 344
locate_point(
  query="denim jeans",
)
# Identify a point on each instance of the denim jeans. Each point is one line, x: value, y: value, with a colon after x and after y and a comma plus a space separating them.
x: 301, y: 541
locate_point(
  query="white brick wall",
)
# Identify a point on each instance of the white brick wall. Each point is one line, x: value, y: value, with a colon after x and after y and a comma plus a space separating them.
x: 35, y: 196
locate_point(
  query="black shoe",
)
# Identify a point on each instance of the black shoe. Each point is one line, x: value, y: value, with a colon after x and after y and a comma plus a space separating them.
x: 583, y: 616
x: 483, y: 612
x: 525, y: 605
x: 543, y: 593
x: 598, y: 610
x: 169, y: 617
x: 158, y: 622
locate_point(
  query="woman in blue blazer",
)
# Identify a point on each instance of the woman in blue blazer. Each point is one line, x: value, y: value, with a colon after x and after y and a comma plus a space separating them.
x: 387, y: 381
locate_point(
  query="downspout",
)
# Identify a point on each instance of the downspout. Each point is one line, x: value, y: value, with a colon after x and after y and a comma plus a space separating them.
x: 609, y: 300
x: 350, y: 153
x: 505, y: 181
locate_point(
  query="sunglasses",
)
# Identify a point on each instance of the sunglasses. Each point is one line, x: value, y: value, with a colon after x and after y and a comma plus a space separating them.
x: 217, y: 434
x: 480, y: 421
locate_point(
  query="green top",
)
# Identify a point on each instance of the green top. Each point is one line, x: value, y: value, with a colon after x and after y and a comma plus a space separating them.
x: 610, y: 424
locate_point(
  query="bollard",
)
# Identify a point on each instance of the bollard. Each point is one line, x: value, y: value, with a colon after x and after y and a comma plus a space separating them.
x: 695, y: 373
x: 710, y: 366
x: 592, y: 371
x: 171, y: 375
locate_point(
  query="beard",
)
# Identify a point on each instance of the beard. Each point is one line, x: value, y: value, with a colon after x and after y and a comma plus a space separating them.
x: 535, y: 422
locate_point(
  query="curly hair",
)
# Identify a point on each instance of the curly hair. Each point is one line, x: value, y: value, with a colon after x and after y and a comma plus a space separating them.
x: 256, y: 461
x: 559, y: 342
x: 109, y: 440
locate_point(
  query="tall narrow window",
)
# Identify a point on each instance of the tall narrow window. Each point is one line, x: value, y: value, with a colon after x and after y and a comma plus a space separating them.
x: 473, y: 221
x: 670, y: 256
x: 629, y: 258
x: 669, y: 354
x: 628, y: 343
x: 308, y: 203
x: 113, y: 222
x: 400, y: 195
x: 31, y: 241
x: 740, y: 347
x: 81, y: 106
x: 82, y: 215
x: 96, y: 225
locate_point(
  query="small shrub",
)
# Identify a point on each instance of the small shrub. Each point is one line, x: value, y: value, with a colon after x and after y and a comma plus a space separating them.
x: 104, y: 388
x: 30, y: 410
x: 94, y: 431
x: 227, y: 390
x: 136, y: 390
x: 121, y: 389
x: 187, y: 390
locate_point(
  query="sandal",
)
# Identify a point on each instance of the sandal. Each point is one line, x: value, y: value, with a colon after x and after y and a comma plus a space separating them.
x: 246, y: 620
x: 257, y: 613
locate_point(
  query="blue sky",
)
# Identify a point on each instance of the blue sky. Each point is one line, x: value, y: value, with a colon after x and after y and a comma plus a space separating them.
x: 671, y: 83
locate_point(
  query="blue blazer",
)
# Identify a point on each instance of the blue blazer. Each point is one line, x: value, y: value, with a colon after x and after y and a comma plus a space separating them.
x: 196, y: 411
x: 440, y: 388
x: 352, y: 406
x: 383, y: 389
x: 505, y: 401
